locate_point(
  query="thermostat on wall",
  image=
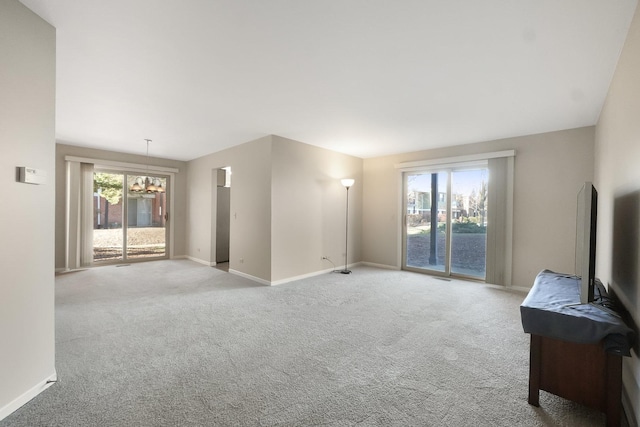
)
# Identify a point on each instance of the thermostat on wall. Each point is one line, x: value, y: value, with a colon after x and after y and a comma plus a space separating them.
x: 32, y: 176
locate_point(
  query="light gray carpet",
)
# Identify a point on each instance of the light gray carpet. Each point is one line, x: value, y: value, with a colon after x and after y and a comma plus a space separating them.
x: 174, y: 343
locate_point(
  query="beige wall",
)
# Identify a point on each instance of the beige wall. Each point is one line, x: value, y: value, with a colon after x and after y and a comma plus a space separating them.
x: 27, y: 138
x: 308, y: 205
x: 177, y: 216
x: 250, y: 228
x: 287, y: 208
x: 617, y: 178
x: 549, y: 170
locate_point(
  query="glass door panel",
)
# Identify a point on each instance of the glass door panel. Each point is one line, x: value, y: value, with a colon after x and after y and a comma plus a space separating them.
x: 108, y: 208
x: 131, y: 227
x: 469, y: 222
x: 146, y: 219
x: 426, y: 221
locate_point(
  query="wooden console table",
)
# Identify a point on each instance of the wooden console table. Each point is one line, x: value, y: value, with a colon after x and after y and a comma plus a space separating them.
x: 576, y: 350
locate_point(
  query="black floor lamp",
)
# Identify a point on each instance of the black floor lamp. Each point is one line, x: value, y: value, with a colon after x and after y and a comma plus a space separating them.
x: 347, y: 182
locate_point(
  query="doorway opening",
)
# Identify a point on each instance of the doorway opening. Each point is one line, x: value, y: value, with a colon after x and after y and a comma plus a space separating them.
x: 223, y: 217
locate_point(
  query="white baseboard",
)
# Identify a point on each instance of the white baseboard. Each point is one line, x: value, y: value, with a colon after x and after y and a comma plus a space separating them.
x: 14, y: 405
x: 71, y: 270
x: 342, y: 267
x: 516, y: 288
x: 200, y: 261
x: 250, y: 277
x: 376, y: 265
x: 288, y: 279
x: 303, y: 276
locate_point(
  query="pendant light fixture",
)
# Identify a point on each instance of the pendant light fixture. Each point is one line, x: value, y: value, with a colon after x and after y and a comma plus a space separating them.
x: 147, y: 184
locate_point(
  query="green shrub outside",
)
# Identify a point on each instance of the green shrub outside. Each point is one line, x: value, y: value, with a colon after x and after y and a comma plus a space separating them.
x: 465, y: 227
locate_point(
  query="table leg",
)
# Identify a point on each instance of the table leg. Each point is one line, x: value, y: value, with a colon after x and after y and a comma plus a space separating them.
x: 613, y: 390
x: 534, y: 370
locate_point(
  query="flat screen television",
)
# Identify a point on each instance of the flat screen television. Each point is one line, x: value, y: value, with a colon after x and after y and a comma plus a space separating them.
x: 586, y: 241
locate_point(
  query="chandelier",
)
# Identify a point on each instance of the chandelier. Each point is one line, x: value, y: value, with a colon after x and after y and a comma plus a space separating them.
x: 147, y: 184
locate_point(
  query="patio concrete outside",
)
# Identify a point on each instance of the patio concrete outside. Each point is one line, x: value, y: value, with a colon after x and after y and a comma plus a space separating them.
x: 142, y: 242
x: 468, y: 251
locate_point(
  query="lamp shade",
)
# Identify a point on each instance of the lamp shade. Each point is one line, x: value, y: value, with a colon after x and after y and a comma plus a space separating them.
x: 347, y: 182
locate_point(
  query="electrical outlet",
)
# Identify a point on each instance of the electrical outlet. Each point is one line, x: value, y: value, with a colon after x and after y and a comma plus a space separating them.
x: 241, y: 260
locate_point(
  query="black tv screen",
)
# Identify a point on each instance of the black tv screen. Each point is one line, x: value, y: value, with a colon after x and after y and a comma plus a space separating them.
x: 586, y: 240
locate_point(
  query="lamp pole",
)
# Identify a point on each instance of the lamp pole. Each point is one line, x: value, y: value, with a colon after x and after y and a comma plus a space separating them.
x: 347, y: 182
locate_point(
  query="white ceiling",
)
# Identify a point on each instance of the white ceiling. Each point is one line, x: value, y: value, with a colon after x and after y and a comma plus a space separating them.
x: 363, y: 77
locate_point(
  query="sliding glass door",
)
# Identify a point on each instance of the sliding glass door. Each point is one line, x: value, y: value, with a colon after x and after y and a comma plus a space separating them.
x: 108, y: 208
x: 445, y: 221
x: 146, y: 221
x: 426, y: 245
x: 469, y: 223
x: 130, y: 221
